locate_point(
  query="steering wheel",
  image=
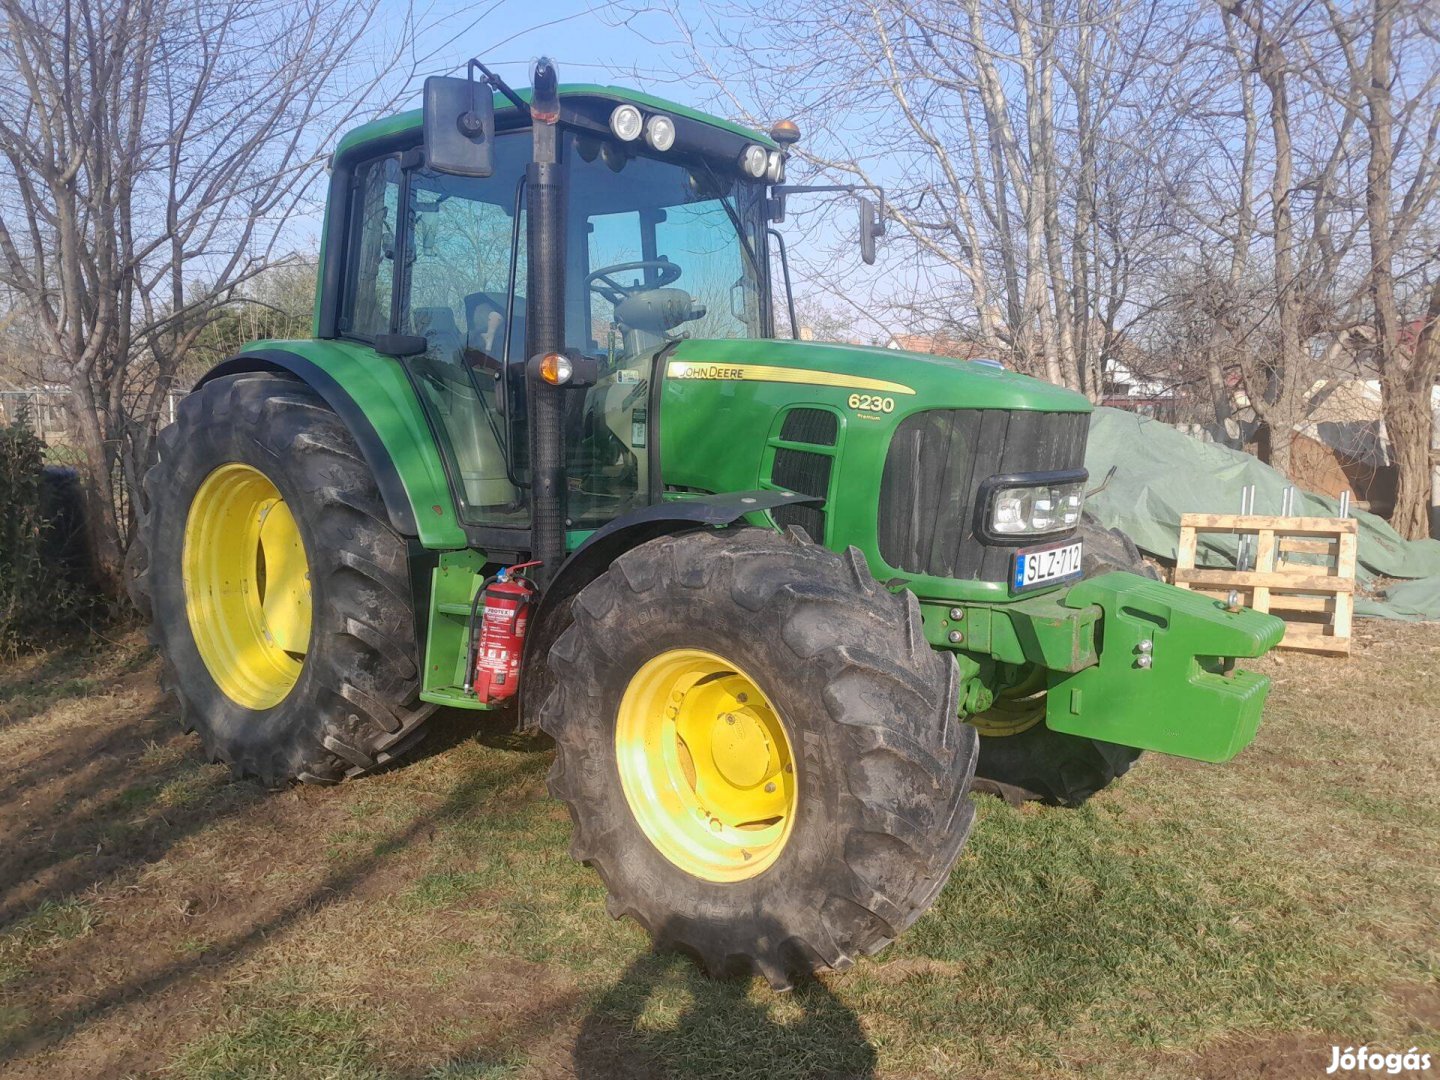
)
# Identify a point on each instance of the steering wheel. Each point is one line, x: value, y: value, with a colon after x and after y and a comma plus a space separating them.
x: 600, y: 281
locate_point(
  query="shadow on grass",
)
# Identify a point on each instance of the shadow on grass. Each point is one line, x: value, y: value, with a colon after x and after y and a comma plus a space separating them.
x: 98, y: 799
x: 665, y: 1018
x: 236, y: 947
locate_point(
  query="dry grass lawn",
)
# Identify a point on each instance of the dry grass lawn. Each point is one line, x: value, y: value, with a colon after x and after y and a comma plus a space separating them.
x: 158, y: 919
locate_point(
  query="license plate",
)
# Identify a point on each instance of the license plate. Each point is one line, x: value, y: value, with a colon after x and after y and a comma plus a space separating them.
x: 1045, y: 566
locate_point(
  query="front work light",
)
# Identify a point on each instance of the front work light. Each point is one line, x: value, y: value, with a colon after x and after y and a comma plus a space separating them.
x: 1024, y: 510
x: 626, y: 123
x: 660, y: 133
x: 754, y: 161
x: 775, y: 167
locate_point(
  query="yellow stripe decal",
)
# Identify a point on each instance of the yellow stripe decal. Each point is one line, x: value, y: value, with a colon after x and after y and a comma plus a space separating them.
x: 684, y: 369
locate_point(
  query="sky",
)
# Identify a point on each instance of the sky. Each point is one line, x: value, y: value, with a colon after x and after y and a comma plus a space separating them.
x: 586, y: 38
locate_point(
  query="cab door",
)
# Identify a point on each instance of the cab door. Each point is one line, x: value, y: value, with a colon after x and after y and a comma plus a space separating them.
x: 462, y: 240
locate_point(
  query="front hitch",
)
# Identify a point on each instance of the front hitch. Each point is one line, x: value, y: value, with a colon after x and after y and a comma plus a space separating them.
x: 1165, y: 680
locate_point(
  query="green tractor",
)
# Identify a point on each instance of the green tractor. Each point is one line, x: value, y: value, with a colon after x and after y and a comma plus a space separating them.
x: 777, y: 602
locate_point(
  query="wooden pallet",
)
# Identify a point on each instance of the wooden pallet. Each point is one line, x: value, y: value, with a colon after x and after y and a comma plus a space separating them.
x: 1317, y: 601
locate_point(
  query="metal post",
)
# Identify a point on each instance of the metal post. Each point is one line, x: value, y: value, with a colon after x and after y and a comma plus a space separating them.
x: 1242, y: 546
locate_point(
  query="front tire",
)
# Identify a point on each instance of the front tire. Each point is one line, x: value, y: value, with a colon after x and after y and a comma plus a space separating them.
x: 278, y: 593
x: 759, y: 750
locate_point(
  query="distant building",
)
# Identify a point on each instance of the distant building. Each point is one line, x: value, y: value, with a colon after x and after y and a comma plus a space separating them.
x: 940, y: 345
x: 1137, y: 393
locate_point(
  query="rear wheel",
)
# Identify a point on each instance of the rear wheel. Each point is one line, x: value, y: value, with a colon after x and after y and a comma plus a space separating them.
x: 278, y: 592
x: 759, y: 750
x: 1026, y: 759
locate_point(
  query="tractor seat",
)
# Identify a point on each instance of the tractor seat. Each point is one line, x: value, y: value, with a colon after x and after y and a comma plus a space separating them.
x: 438, y: 327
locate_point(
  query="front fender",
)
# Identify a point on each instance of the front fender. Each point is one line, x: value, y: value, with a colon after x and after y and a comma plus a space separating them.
x: 374, y: 397
x: 608, y: 543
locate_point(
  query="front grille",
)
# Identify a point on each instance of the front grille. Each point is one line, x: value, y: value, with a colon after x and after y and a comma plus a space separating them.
x: 936, y: 464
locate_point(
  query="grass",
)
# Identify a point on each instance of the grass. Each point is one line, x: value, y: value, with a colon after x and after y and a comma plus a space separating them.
x: 1192, y: 920
x: 48, y: 927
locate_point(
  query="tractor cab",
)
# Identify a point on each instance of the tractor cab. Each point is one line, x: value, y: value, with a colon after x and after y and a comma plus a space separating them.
x: 662, y: 238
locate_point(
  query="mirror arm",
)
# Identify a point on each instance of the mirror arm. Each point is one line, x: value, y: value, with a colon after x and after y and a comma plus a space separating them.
x: 495, y: 82
x: 781, y: 190
x: 785, y: 270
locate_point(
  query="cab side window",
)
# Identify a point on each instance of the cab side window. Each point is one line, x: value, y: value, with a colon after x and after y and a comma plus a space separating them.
x: 368, y: 294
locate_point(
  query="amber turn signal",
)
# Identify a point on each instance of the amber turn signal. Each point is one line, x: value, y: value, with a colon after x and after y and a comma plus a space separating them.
x: 556, y: 369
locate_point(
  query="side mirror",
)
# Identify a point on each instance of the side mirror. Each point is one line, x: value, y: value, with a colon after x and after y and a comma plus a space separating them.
x: 870, y: 227
x: 459, y: 126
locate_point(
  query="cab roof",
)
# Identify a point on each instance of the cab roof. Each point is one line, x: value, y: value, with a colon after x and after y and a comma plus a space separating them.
x: 407, y: 122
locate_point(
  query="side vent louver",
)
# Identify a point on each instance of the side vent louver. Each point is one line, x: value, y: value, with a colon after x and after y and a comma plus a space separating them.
x: 805, y: 471
x: 814, y: 426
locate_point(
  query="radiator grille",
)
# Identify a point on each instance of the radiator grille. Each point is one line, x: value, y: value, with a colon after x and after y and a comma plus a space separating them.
x: 935, y: 466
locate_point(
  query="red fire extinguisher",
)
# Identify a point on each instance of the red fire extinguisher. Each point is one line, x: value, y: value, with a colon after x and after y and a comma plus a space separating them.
x: 502, y: 606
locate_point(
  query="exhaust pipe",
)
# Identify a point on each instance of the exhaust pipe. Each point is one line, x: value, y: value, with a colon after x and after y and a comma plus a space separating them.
x: 545, y: 322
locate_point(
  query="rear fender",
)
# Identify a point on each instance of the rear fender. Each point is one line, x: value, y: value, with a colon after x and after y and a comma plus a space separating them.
x: 373, y: 395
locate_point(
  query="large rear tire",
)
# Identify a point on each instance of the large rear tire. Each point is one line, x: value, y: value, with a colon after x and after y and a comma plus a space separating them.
x: 278, y: 592
x: 1019, y: 754
x: 759, y: 750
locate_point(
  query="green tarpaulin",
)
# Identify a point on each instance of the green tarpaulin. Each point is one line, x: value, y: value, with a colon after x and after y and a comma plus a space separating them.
x: 1161, y: 473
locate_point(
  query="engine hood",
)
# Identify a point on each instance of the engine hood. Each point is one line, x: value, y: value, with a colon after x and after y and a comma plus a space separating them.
x: 914, y: 379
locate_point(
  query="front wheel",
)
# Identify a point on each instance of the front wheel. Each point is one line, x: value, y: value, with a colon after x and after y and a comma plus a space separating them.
x: 759, y: 750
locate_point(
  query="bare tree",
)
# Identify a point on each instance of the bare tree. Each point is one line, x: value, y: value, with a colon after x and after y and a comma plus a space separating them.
x: 1016, y: 138
x: 1399, y: 108
x: 158, y: 152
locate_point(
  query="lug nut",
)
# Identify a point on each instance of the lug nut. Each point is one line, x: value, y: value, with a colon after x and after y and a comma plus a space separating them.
x: 1145, y: 646
x: 1143, y: 661
x: 957, y: 613
x: 770, y: 788
x: 956, y: 637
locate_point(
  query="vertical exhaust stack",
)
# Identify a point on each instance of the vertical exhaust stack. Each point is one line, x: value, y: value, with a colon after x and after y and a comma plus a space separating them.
x: 545, y: 323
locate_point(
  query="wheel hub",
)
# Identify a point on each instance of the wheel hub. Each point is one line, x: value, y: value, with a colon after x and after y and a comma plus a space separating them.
x: 706, y: 765
x: 247, y: 586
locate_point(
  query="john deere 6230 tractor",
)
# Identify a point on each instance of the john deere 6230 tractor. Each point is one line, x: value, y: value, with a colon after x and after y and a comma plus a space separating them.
x: 772, y: 599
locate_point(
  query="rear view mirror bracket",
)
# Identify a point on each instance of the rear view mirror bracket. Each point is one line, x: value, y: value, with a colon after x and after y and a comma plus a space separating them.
x: 872, y: 222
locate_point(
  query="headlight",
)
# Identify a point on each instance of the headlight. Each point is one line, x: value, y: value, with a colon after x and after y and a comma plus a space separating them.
x: 1021, y: 509
x: 660, y: 133
x: 626, y: 123
x: 755, y: 161
x: 775, y: 168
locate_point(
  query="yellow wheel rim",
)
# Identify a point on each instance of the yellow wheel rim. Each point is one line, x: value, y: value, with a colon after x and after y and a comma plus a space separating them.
x: 247, y: 586
x: 706, y: 765
x: 1015, y: 710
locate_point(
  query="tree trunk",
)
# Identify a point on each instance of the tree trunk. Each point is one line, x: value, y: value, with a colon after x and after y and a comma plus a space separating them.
x: 1282, y: 437
x: 1408, y: 422
x: 101, y: 524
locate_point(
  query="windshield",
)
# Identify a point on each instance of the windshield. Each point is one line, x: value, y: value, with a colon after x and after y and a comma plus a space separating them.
x: 660, y: 248
x: 657, y: 249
